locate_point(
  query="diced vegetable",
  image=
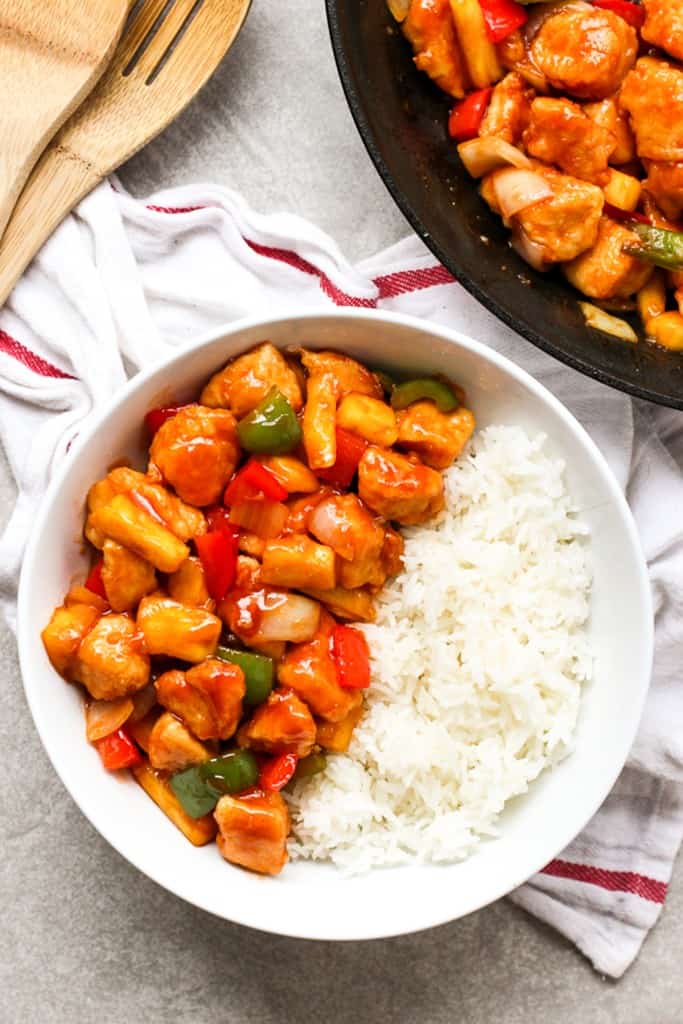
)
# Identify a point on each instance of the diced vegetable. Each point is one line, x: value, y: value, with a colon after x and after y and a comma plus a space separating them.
x: 297, y: 561
x: 194, y: 795
x: 350, y: 450
x: 141, y: 730
x: 231, y: 773
x: 630, y: 12
x: 480, y: 156
x: 622, y: 190
x: 309, y: 766
x: 218, y: 553
x: 602, y: 321
x: 264, y: 518
x: 660, y: 246
x: 118, y: 751
x: 271, y: 428
x: 625, y: 216
x: 254, y: 482
x: 502, y: 18
x: 466, y: 116
x: 103, y: 717
x: 156, y: 417
x: 399, y: 8
x: 354, y: 605
x: 351, y: 657
x: 199, y: 831
x: 277, y: 771
x: 218, y: 518
x: 125, y: 521
x: 258, y: 671
x: 517, y: 188
x: 336, y: 736
x: 94, y: 580
x: 436, y: 391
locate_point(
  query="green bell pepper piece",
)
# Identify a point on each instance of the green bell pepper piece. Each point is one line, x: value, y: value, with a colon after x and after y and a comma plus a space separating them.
x: 388, y: 383
x: 258, y: 669
x: 310, y: 766
x: 271, y: 428
x: 231, y: 773
x: 660, y: 246
x: 430, y: 388
x: 194, y: 795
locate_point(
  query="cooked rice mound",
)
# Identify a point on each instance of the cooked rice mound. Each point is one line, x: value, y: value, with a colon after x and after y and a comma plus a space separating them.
x: 479, y: 653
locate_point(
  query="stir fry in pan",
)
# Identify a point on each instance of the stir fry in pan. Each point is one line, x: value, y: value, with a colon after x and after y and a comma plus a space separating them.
x: 571, y: 116
x: 213, y: 637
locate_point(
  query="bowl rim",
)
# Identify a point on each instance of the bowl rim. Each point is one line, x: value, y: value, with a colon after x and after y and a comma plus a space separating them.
x: 25, y: 629
x: 355, y: 102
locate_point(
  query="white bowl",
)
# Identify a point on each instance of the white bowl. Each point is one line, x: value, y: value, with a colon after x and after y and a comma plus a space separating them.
x: 314, y: 900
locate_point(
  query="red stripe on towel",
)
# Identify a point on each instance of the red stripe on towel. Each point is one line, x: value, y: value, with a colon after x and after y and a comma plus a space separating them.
x: 14, y: 348
x: 403, y: 281
x: 292, y: 259
x: 614, y: 881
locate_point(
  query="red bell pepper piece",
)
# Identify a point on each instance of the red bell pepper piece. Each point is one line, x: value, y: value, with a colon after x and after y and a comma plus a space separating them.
x: 218, y: 553
x: 118, y: 751
x: 630, y: 12
x: 155, y: 418
x: 466, y: 116
x: 350, y: 449
x: 351, y: 658
x: 277, y: 772
x: 502, y: 18
x: 253, y: 482
x: 94, y: 580
x: 218, y: 519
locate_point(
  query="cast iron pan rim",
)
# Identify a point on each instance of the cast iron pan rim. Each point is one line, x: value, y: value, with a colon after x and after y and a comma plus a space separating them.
x: 411, y: 215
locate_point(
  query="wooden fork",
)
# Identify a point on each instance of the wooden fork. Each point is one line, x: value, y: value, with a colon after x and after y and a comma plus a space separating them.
x: 168, y: 50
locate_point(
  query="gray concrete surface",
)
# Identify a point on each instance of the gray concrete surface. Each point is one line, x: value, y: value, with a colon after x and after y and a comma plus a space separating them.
x: 86, y: 938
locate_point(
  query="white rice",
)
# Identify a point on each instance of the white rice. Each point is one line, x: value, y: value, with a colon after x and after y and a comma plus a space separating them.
x: 479, y: 653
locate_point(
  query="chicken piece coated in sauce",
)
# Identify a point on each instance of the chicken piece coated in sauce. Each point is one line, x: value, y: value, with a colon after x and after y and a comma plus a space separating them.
x: 181, y: 519
x: 172, y: 747
x: 605, y: 272
x: 652, y: 95
x: 584, y: 51
x: 665, y: 184
x: 344, y: 523
x: 64, y: 634
x: 664, y: 25
x: 196, y: 452
x: 111, y: 660
x: 208, y: 697
x: 430, y: 29
x: 188, y: 585
x: 398, y: 487
x: 608, y: 115
x: 559, y: 132
x: 309, y: 670
x: 244, y: 383
x: 176, y: 629
x: 336, y: 736
x: 281, y: 725
x: 298, y: 562
x: 437, y: 437
x: 507, y: 114
x: 127, y: 578
x: 253, y: 830
x: 565, y: 224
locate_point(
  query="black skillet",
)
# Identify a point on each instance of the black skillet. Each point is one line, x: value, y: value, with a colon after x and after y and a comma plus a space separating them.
x: 402, y: 119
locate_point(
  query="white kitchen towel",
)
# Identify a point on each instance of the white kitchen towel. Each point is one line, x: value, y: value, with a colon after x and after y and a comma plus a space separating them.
x: 123, y: 282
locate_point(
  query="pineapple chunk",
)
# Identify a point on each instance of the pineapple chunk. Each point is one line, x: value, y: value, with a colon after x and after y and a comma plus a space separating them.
x: 188, y: 585
x: 336, y: 736
x: 297, y: 561
x: 176, y: 630
x: 124, y: 521
x: 199, y: 831
x: 368, y: 418
x: 64, y: 634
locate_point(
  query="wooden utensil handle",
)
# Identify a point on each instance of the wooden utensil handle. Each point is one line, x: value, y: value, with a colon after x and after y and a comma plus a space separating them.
x: 57, y: 184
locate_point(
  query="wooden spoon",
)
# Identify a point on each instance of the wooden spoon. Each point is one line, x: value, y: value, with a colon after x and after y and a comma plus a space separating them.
x: 51, y: 55
x: 168, y: 50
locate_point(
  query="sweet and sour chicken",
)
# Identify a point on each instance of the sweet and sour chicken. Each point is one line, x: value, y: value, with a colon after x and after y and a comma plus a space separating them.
x: 214, y: 637
x: 571, y: 116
